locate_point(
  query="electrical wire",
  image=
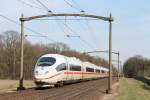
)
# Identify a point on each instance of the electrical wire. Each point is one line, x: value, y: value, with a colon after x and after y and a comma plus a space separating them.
x: 70, y: 40
x: 77, y: 35
x: 26, y: 35
x: 46, y: 8
x: 29, y: 29
x: 30, y: 5
x: 49, y: 11
x: 34, y: 2
x: 72, y: 6
x: 68, y: 27
x: 78, y: 5
x: 90, y: 30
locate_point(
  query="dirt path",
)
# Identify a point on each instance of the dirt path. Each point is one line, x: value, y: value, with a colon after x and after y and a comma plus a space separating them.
x: 115, y: 91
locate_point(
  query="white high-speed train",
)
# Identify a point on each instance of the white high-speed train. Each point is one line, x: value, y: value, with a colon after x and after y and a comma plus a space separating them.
x: 55, y: 69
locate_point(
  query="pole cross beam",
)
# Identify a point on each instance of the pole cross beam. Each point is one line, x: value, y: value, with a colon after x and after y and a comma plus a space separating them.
x: 67, y: 14
x: 105, y: 51
x: 109, y: 19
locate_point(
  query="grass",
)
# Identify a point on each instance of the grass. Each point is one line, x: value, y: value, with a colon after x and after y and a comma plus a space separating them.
x: 7, y: 85
x: 131, y: 89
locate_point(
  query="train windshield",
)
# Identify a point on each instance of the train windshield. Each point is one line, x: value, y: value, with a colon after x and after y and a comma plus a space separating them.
x: 46, y: 61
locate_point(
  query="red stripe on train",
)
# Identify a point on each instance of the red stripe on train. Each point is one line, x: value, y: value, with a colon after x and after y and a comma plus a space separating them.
x: 66, y: 73
x: 80, y: 73
x: 48, y: 77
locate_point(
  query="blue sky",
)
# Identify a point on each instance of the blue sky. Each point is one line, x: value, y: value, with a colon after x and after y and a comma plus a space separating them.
x: 130, y: 28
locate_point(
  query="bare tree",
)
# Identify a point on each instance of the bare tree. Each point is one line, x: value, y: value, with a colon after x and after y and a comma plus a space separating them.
x: 10, y: 55
x: 11, y: 45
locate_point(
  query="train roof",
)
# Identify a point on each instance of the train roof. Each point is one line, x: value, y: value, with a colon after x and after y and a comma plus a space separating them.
x: 89, y: 64
x: 53, y: 55
x: 103, y: 68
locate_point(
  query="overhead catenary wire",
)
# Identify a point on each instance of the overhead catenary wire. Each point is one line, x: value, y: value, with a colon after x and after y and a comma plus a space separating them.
x: 34, y: 2
x: 48, y: 11
x: 78, y: 5
x: 68, y: 35
x: 90, y: 30
x: 2, y: 25
x: 30, y: 5
x: 29, y: 29
x: 65, y: 25
x: 26, y: 35
x: 46, y: 8
x: 88, y: 25
x: 72, y: 31
x: 72, y: 6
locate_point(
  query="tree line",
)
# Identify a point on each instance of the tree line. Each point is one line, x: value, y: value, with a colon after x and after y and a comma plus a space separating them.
x: 10, y: 55
x: 137, y: 66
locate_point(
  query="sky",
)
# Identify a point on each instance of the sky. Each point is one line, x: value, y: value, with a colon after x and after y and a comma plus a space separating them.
x: 130, y: 27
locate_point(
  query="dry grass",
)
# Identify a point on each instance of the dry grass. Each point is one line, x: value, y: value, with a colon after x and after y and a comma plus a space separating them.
x: 131, y: 89
x: 8, y: 85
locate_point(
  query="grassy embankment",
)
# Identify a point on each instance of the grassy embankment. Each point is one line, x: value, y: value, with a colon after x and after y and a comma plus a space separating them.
x: 7, y: 85
x: 131, y: 89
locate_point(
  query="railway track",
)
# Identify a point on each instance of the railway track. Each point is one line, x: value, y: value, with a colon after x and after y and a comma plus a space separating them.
x: 90, y: 90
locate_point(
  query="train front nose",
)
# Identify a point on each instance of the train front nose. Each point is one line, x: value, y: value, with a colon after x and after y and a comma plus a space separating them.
x: 40, y: 76
x: 41, y: 72
x: 43, y: 69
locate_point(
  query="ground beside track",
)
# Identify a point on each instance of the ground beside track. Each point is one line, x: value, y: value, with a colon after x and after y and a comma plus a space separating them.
x: 131, y: 89
x: 90, y: 90
x: 9, y: 85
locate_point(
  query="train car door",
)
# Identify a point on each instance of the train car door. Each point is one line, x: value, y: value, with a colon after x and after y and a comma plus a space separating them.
x: 66, y: 73
x: 82, y: 71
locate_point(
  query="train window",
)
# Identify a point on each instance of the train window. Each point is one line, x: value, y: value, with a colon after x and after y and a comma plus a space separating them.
x: 61, y: 67
x: 103, y: 71
x: 46, y: 61
x: 75, y: 68
x: 97, y: 71
x: 89, y: 69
